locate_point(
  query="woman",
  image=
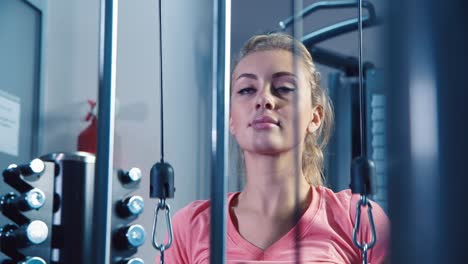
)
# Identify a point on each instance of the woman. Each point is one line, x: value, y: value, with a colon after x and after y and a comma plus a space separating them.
x: 281, y: 119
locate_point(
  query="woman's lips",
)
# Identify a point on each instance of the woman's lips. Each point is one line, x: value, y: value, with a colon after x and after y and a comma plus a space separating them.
x: 264, y: 122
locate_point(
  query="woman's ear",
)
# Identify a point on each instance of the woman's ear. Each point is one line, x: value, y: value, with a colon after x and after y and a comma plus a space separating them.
x: 231, y: 126
x: 316, y: 119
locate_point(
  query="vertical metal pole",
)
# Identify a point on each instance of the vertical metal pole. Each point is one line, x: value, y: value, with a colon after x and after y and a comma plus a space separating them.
x: 362, y: 92
x: 297, y: 33
x: 412, y: 144
x: 451, y: 56
x: 427, y: 128
x: 105, y: 150
x: 220, y: 117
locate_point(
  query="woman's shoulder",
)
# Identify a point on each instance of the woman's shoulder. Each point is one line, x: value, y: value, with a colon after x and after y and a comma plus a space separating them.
x: 343, y: 205
x: 344, y: 198
x: 336, y: 202
x: 191, y: 212
x: 196, y: 212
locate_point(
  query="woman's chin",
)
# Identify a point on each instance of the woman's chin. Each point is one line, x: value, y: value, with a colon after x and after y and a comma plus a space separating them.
x: 266, y: 145
x: 267, y: 148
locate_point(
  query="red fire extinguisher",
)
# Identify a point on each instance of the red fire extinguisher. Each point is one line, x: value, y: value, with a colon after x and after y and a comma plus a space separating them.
x: 87, y: 138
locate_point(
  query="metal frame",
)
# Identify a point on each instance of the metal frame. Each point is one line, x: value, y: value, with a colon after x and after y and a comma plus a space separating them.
x: 220, y: 137
x: 37, y: 143
x: 106, y: 115
x: 427, y: 130
x: 297, y: 33
x: 301, y: 13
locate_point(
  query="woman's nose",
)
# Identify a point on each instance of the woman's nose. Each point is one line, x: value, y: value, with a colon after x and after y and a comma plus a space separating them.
x: 264, y: 101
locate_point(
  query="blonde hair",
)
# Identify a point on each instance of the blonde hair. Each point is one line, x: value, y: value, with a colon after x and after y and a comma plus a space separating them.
x: 312, y: 156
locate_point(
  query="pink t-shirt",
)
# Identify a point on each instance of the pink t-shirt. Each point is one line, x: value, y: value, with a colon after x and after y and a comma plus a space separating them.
x: 326, y: 230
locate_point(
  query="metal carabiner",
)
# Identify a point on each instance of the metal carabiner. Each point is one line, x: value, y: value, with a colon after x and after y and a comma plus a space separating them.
x: 364, y: 247
x: 162, y: 205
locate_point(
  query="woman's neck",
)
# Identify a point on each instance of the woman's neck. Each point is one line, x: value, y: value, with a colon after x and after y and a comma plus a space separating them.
x: 273, y: 185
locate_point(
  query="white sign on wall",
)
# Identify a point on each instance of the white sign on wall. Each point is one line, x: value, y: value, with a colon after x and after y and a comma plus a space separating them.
x: 9, y: 123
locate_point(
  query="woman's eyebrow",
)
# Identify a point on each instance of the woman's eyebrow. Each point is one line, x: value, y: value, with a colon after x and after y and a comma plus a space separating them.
x: 281, y: 74
x: 247, y: 75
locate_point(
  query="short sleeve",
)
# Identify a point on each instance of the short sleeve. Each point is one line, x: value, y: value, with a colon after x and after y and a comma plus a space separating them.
x: 379, y: 253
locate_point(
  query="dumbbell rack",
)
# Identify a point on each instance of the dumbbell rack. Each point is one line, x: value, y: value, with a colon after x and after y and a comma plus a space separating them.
x: 67, y: 183
x: 26, y: 217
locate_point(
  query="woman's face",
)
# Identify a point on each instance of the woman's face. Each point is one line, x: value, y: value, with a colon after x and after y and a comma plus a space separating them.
x: 266, y: 97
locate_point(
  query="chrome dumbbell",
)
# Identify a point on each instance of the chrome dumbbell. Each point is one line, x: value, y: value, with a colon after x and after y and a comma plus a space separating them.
x: 30, y: 200
x: 131, y: 176
x: 131, y: 236
x: 131, y: 206
x: 33, y: 233
x: 27, y: 260
x: 33, y: 260
x: 17, y: 176
x: 35, y: 168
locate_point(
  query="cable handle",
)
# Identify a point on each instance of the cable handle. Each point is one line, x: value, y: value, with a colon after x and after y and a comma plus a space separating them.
x: 362, y: 173
x: 364, y: 246
x: 162, y: 205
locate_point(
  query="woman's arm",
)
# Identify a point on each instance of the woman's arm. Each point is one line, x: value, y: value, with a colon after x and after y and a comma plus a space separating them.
x: 379, y: 254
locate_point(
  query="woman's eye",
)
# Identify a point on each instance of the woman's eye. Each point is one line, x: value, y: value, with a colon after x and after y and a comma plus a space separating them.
x: 248, y: 90
x: 284, y: 89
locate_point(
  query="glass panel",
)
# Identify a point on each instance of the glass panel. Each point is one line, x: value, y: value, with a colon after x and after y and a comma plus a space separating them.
x: 20, y: 47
